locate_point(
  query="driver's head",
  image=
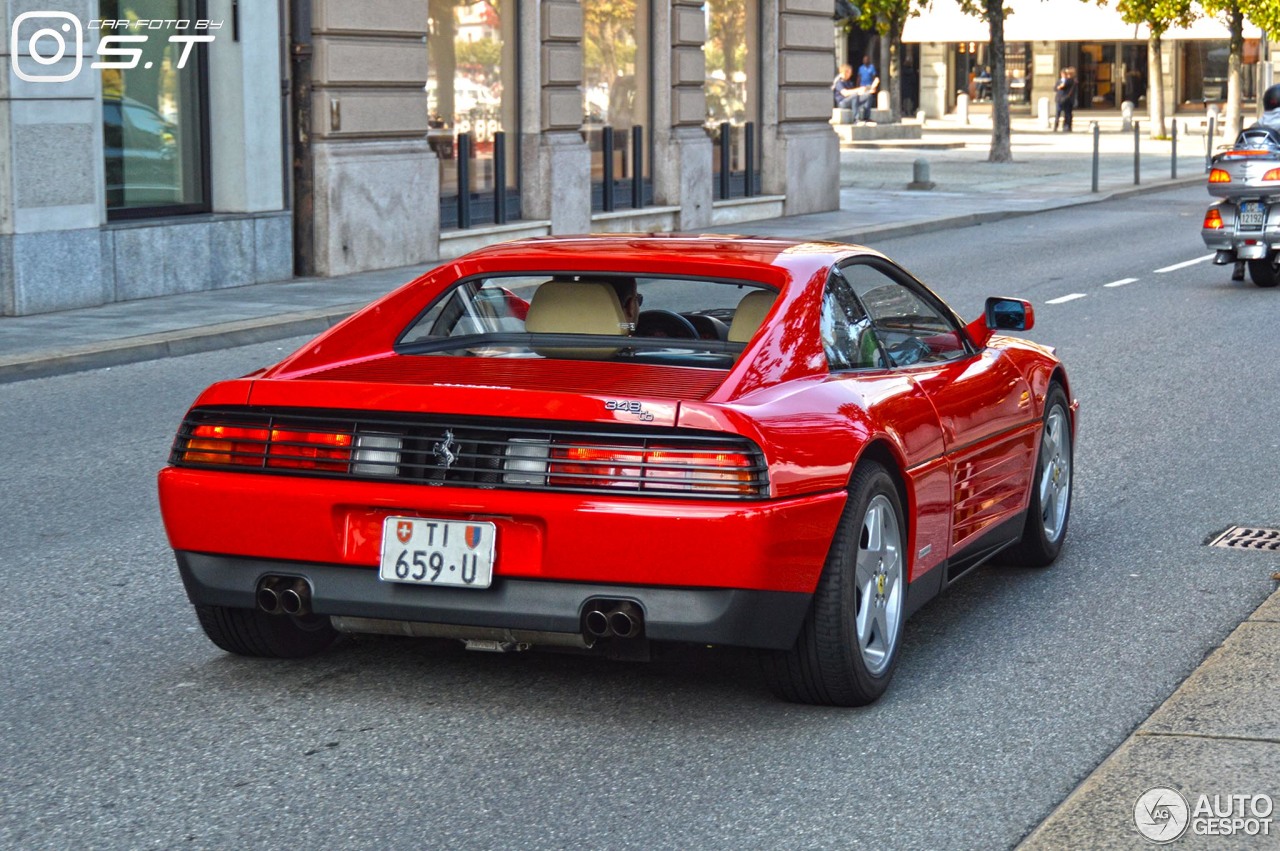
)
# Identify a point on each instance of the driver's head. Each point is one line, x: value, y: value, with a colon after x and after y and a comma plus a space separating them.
x: 1271, y: 98
x: 627, y: 297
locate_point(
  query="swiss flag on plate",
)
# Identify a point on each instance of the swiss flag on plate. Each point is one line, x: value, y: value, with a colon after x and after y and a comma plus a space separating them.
x: 404, y: 531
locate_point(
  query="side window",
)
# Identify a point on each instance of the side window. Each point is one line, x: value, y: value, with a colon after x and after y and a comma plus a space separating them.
x: 911, y: 329
x: 847, y: 338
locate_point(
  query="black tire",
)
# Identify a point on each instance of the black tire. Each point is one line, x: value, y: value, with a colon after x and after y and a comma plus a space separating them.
x: 1040, y: 545
x: 249, y: 632
x: 828, y: 665
x: 1264, y: 272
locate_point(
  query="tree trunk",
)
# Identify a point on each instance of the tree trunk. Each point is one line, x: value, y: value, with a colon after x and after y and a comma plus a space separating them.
x: 1235, y: 62
x: 1155, y: 86
x: 895, y: 69
x: 1001, y: 151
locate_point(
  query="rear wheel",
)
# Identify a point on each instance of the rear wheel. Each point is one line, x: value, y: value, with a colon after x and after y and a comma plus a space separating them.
x: 249, y: 632
x: 1050, y: 504
x: 1266, y: 272
x: 848, y: 647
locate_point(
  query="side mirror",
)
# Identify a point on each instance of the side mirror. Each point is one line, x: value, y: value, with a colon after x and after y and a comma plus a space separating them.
x: 1001, y: 314
x: 1009, y: 314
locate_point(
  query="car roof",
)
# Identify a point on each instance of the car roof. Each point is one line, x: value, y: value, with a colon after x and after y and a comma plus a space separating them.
x: 768, y: 259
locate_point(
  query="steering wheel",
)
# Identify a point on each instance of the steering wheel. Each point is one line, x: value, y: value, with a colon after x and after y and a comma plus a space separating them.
x: 665, y: 323
x: 909, y: 351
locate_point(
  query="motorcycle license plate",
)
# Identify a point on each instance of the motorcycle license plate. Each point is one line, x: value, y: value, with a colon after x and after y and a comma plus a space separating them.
x: 1253, y: 215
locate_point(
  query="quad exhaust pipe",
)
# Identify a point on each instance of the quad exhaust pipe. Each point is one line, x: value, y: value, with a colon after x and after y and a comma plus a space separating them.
x: 613, y: 619
x: 284, y: 595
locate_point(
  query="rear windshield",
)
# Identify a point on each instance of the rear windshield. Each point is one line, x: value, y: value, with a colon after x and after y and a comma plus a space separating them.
x: 675, y: 321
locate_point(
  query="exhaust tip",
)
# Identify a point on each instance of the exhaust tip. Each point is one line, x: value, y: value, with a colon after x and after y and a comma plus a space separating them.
x: 597, y: 624
x: 269, y: 600
x: 625, y: 621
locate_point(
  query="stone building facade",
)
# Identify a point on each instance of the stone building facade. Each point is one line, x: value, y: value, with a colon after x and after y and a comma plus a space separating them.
x: 327, y: 137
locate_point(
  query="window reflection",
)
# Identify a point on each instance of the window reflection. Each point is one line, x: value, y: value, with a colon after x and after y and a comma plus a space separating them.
x: 471, y: 89
x: 733, y: 83
x: 153, y: 115
x: 616, y: 90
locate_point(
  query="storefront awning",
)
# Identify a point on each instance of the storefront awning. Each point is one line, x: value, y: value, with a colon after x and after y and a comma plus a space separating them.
x: 1049, y: 20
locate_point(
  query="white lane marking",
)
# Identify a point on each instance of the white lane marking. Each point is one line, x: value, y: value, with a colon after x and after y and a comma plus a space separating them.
x: 1121, y: 282
x: 1176, y: 266
x: 1066, y: 298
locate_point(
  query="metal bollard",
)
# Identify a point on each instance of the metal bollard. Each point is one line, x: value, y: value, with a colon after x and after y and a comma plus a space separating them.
x: 1093, y: 125
x: 1137, y: 155
x: 1042, y: 112
x: 962, y: 108
x: 1173, y: 158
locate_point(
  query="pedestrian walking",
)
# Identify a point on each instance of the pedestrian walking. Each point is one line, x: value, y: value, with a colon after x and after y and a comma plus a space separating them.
x: 1065, y: 97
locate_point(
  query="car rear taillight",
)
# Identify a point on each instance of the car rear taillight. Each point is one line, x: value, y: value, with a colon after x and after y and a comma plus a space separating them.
x: 224, y: 444
x: 1213, y: 219
x: 1274, y: 174
x: 309, y: 450
x: 652, y: 468
x: 1219, y: 175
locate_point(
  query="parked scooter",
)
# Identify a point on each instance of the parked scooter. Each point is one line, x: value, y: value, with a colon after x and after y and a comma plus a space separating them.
x: 1245, y: 225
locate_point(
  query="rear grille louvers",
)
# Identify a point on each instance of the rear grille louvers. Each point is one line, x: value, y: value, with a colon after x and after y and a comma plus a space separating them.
x: 473, y: 452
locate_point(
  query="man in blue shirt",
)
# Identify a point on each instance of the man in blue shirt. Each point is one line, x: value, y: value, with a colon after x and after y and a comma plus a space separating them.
x: 869, y: 83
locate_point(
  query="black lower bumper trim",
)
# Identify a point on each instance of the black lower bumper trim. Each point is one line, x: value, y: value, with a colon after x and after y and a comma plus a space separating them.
x: 728, y: 616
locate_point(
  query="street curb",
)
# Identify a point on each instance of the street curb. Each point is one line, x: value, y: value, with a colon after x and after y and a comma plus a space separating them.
x: 51, y: 362
x: 1041, y: 836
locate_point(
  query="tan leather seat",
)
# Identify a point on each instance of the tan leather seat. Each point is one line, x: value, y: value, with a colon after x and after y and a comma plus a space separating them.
x: 584, y: 307
x: 751, y: 311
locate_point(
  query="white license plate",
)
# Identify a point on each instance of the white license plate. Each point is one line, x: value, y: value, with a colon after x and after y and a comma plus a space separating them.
x: 1252, y: 215
x: 423, y: 551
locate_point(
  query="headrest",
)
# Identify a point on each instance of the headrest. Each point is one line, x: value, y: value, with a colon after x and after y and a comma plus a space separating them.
x: 751, y: 312
x: 565, y: 307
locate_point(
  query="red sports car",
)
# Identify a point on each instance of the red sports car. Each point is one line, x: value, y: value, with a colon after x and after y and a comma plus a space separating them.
x: 601, y: 442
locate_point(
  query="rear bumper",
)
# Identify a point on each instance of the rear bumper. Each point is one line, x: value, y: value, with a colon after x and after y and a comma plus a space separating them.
x: 736, y: 617
x: 1245, y: 244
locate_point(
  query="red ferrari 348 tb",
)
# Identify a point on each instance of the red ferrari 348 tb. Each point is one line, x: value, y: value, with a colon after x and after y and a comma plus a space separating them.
x: 601, y: 442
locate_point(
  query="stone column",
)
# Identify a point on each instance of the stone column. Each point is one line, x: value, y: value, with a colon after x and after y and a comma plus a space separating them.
x: 557, y: 162
x: 52, y: 196
x: 682, y: 171
x: 801, y: 152
x: 377, y: 182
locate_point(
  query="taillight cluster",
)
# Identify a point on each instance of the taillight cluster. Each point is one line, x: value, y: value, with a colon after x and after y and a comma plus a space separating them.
x: 1219, y: 175
x: 652, y: 468
x: 279, y: 448
x: 1213, y: 219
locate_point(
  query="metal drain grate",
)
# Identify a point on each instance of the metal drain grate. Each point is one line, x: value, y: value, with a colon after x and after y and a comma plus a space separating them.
x: 1248, y: 538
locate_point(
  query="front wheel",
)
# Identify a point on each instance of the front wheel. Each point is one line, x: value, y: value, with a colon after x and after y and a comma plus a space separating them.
x: 848, y: 646
x: 1266, y: 272
x: 1050, y: 503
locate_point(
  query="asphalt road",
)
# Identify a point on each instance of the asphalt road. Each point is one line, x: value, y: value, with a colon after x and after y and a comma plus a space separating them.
x: 121, y: 726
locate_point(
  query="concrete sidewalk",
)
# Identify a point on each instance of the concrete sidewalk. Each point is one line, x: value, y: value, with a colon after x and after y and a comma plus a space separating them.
x: 1219, y: 733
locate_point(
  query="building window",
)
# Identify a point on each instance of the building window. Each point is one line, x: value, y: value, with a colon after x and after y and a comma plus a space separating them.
x: 155, y: 114
x: 616, y: 100
x: 1204, y: 72
x: 733, y: 94
x: 472, y: 99
x: 973, y: 64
